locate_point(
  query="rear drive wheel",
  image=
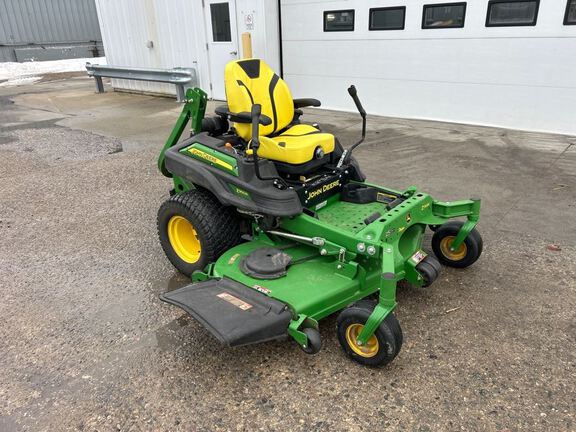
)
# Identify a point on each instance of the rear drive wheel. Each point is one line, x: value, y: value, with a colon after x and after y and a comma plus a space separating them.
x: 195, y: 229
x: 381, y: 348
x: 465, y: 255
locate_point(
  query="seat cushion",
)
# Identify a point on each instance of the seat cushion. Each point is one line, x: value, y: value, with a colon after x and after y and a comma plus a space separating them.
x: 296, y: 145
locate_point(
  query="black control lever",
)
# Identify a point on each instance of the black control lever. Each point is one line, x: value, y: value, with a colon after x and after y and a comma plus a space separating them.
x: 256, y: 114
x: 348, y: 152
x: 354, y: 93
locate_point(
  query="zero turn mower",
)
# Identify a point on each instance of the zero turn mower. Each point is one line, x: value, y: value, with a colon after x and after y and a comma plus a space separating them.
x: 275, y: 224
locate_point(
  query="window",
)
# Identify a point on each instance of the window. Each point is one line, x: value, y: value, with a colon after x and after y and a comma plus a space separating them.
x: 388, y: 18
x: 503, y: 13
x: 220, y: 17
x: 570, y: 17
x: 340, y: 20
x: 447, y: 15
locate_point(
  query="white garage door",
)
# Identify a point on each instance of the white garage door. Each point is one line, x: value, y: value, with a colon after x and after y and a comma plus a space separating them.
x: 496, y: 63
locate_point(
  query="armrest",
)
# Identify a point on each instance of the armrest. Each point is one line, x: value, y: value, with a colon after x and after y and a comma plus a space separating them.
x: 241, y: 117
x: 306, y: 102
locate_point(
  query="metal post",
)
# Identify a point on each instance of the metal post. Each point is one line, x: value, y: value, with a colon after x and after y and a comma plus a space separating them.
x: 180, y: 93
x: 99, y: 84
x: 246, y: 45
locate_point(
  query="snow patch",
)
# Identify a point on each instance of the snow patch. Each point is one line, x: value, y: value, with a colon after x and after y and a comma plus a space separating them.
x: 13, y: 74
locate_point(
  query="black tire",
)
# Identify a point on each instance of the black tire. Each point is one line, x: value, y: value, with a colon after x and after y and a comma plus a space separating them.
x: 388, y: 335
x: 314, y: 341
x: 429, y: 271
x: 217, y: 227
x: 434, y: 228
x: 369, y: 305
x: 467, y: 254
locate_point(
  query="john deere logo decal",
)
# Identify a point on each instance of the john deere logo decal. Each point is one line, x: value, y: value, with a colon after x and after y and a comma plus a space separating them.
x: 212, y: 157
x: 408, y: 218
x: 322, y: 189
x: 203, y: 155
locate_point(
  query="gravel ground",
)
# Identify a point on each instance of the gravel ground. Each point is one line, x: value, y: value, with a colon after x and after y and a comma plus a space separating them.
x: 56, y: 144
x: 85, y: 344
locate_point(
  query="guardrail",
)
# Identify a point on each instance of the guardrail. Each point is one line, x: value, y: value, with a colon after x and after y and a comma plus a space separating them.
x: 180, y: 77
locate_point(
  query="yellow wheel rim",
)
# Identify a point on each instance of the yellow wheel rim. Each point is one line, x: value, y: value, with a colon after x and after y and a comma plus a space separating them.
x: 184, y: 239
x: 453, y: 255
x: 370, y: 349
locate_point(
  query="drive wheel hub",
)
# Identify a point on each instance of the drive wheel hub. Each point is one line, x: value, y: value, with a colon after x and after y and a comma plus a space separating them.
x: 184, y: 239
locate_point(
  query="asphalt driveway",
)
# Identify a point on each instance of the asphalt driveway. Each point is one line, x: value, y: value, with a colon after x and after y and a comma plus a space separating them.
x: 85, y: 343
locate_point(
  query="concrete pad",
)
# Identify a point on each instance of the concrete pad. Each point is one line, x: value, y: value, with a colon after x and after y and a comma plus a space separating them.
x: 86, y: 344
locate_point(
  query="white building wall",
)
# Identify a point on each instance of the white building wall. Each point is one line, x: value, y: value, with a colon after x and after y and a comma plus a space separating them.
x: 512, y: 77
x: 175, y: 27
x: 265, y: 32
x: 178, y: 32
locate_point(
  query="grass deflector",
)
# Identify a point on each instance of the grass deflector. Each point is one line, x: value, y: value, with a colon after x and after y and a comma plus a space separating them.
x: 277, y: 227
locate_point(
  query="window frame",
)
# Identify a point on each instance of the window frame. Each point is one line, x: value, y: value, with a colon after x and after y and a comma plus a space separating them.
x: 532, y: 24
x: 339, y: 11
x: 213, y: 40
x: 566, y: 22
x: 432, y: 5
x: 378, y: 9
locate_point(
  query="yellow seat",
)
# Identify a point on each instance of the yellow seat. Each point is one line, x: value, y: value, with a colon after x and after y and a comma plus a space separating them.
x: 250, y: 82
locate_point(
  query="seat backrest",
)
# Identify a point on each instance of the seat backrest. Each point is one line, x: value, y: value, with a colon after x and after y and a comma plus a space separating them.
x: 251, y: 82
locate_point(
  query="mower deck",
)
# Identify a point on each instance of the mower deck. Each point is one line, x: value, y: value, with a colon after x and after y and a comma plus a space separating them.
x: 313, y: 285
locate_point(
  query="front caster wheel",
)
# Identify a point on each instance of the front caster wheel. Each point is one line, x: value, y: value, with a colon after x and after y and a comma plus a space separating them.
x: 314, y: 341
x: 465, y: 255
x: 382, y: 347
x: 429, y: 269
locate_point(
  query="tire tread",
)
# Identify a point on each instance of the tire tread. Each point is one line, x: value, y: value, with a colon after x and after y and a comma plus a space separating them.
x: 218, y: 224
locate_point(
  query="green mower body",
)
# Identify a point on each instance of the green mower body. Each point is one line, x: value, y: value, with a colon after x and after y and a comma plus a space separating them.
x: 324, y: 241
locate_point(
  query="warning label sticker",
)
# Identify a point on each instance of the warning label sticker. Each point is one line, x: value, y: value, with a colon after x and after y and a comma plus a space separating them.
x: 262, y: 289
x: 418, y: 256
x: 234, y: 300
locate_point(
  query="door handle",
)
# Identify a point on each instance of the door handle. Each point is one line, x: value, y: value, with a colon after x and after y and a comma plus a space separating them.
x: 234, y: 52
